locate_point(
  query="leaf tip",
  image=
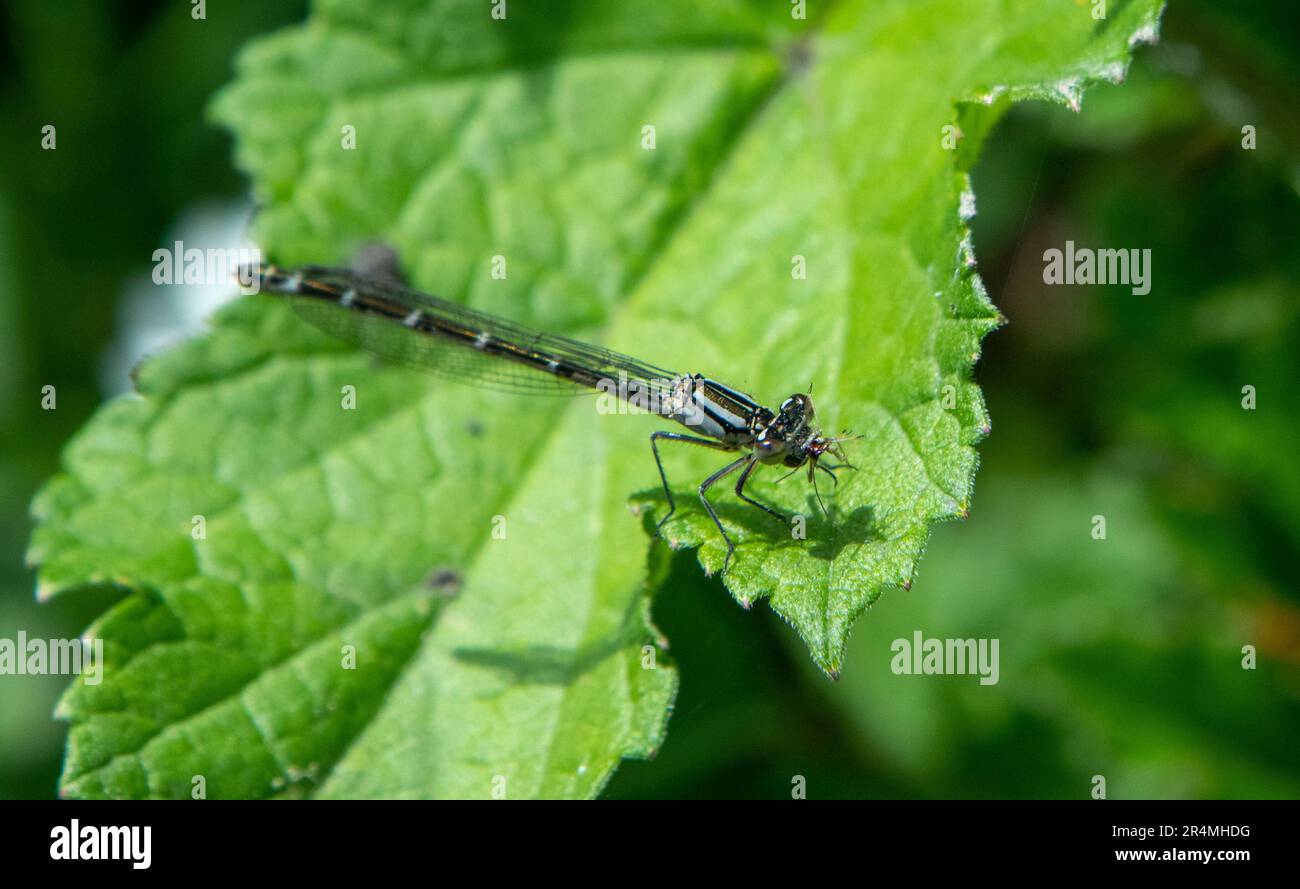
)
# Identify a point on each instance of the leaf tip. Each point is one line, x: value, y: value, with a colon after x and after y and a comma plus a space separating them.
x: 1147, y: 32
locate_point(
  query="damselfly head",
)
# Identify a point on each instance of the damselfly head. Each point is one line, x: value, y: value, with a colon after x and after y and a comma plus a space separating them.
x: 803, y: 441
x: 790, y: 437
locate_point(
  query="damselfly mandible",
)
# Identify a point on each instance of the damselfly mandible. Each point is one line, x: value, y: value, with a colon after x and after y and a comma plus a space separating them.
x: 446, y: 338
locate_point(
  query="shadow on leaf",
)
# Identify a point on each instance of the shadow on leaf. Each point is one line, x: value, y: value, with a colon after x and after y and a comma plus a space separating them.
x: 824, y: 537
x: 552, y: 665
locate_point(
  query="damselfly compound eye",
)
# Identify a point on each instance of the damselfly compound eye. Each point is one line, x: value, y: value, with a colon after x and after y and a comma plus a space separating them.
x: 798, y: 406
x: 769, y: 448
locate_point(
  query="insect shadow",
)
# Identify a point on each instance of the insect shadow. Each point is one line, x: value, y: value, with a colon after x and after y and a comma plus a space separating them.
x: 825, y: 536
x: 553, y: 665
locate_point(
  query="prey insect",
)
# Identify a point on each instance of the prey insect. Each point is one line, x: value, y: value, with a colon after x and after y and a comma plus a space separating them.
x: 449, y: 339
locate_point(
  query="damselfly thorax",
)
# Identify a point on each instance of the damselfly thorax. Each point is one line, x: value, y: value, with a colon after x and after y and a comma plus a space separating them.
x: 445, y: 338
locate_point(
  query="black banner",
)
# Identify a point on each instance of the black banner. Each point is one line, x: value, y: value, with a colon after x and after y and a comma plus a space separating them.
x: 132, y: 838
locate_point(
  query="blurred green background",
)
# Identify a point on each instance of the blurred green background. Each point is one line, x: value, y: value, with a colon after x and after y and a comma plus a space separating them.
x: 1119, y: 657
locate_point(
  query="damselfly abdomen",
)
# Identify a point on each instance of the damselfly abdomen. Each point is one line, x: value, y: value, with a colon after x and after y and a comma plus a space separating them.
x: 446, y: 338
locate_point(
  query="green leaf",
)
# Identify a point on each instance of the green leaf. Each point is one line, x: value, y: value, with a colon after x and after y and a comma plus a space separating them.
x: 893, y: 320
x: 774, y: 137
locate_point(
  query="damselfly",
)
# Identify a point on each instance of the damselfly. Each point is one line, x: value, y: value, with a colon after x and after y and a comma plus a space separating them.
x: 446, y: 338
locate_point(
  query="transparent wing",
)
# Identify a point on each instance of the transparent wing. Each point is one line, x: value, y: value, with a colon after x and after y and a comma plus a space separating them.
x: 438, y: 356
x: 322, y: 296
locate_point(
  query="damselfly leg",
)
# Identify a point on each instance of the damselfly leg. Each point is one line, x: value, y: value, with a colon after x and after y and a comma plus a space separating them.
x: 748, y: 462
x: 740, y: 492
x: 655, y: 437
x: 708, y: 483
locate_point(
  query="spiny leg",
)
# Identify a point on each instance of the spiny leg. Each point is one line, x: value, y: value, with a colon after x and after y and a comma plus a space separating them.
x: 708, y: 483
x: 829, y: 470
x: 812, y: 477
x: 675, y: 436
x: 740, y: 492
